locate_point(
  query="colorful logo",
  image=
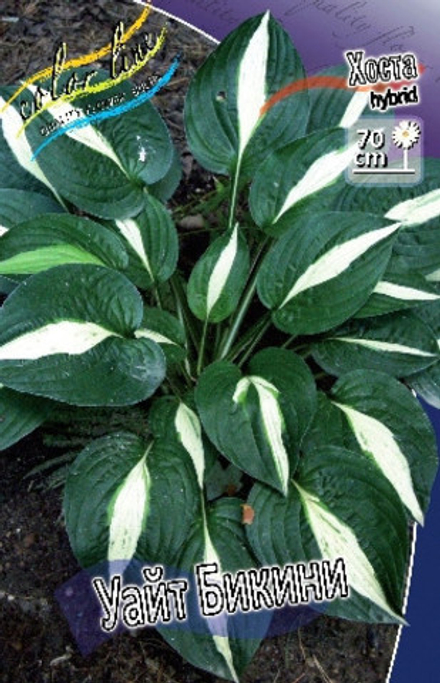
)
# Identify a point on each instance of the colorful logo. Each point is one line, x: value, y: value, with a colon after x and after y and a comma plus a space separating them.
x: 59, y: 94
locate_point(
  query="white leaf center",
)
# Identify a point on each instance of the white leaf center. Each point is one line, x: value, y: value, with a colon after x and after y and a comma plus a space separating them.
x: 251, y: 95
x: 12, y: 124
x: 273, y: 422
x: 338, y: 260
x: 190, y: 433
x: 221, y: 271
x: 321, y: 173
x: 154, y: 336
x: 418, y: 210
x: 128, y: 513
x: 377, y: 440
x: 355, y: 108
x: 68, y: 337
x: 131, y: 231
x: 336, y: 539
x: 385, y: 347
x: 404, y: 293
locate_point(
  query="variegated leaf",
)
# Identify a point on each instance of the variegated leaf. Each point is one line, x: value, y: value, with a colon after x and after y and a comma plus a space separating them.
x: 400, y: 288
x: 118, y: 508
x: 56, y: 239
x: 17, y: 206
x: 220, y: 635
x: 257, y: 421
x: 418, y: 242
x: 20, y: 415
x: 292, y: 175
x: 416, y: 211
x: 398, y: 344
x: 331, y: 512
x: 18, y: 144
x: 272, y: 421
x: 229, y: 642
x: 251, y: 89
x: 151, y: 242
x: 96, y: 150
x: 403, y: 293
x: 189, y: 431
x: 336, y: 539
x: 323, y: 270
x: 164, y: 329
x: 171, y: 419
x: 392, y: 429
x: 331, y: 102
x: 240, y: 123
x: 355, y: 108
x: 218, y: 278
x: 68, y: 334
x: 427, y: 381
x: 127, y: 512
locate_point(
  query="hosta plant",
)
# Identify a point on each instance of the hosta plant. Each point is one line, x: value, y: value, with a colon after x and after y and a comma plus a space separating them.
x: 276, y: 362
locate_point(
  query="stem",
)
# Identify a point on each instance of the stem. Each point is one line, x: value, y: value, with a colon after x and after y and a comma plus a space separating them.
x: 158, y: 296
x: 202, y: 347
x: 249, y: 295
x: 256, y: 340
x: 184, y: 312
x: 185, y: 369
x: 288, y: 342
x: 247, y: 338
x: 246, y: 301
x: 234, y: 197
x: 174, y: 388
x: 218, y: 337
x: 302, y: 350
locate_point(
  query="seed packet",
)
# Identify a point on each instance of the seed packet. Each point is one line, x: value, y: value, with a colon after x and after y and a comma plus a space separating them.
x: 220, y: 268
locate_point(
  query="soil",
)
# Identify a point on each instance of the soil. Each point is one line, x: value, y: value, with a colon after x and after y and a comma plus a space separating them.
x: 36, y: 645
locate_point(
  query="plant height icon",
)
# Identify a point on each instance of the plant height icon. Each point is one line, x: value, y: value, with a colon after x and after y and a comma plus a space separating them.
x: 405, y: 136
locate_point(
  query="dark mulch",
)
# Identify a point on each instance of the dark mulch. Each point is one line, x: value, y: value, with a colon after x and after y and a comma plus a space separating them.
x: 35, y: 559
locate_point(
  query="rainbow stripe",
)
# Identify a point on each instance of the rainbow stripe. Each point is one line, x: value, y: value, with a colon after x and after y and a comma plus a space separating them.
x: 116, y: 111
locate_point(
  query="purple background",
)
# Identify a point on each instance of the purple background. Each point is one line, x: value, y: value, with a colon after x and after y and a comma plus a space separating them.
x: 322, y: 30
